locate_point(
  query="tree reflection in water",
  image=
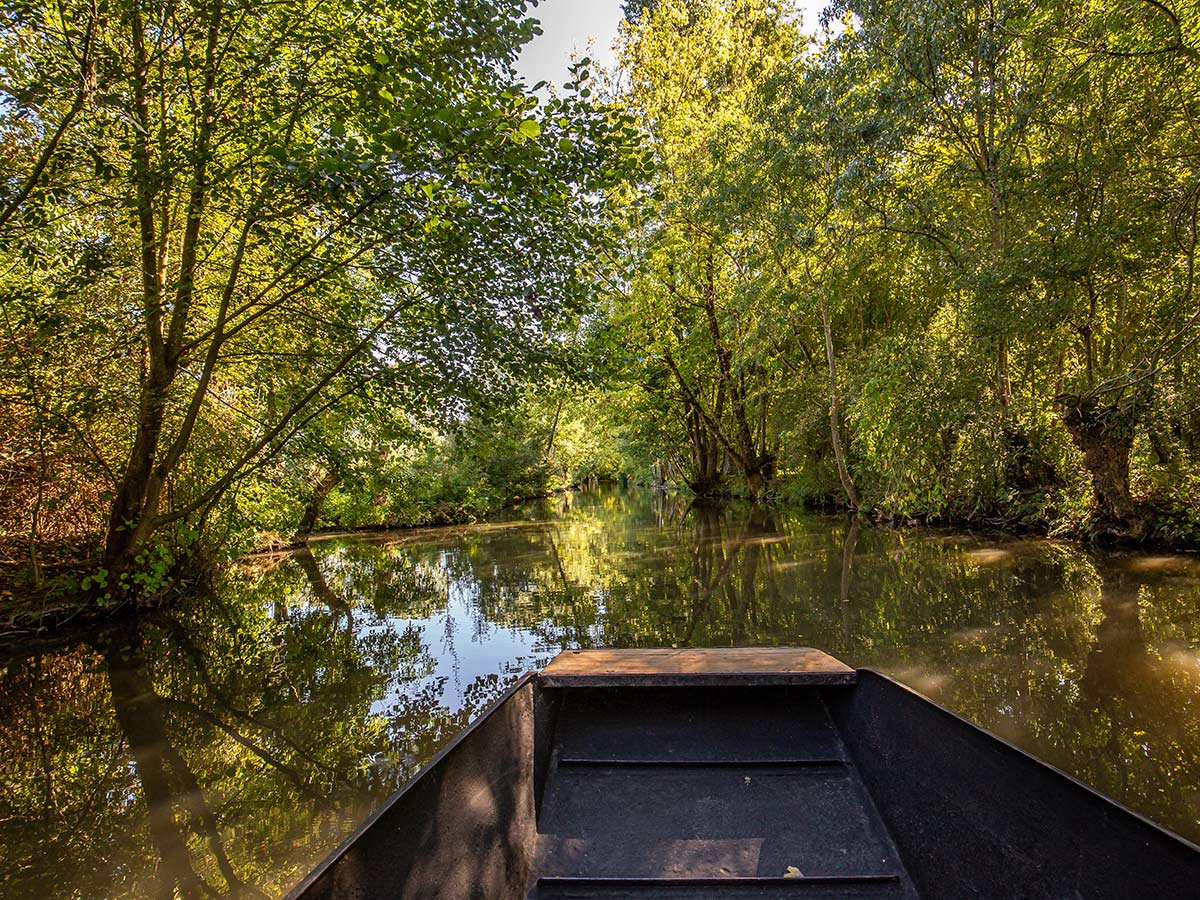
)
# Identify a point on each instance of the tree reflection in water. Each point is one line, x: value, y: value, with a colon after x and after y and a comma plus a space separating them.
x: 223, y: 749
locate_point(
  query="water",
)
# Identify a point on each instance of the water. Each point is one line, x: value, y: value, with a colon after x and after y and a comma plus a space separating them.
x: 236, y: 742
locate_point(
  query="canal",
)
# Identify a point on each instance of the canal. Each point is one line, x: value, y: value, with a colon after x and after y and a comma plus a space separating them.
x: 224, y: 747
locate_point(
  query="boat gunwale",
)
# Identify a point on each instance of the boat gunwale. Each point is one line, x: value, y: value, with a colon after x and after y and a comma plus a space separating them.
x: 1028, y: 757
x: 344, y: 847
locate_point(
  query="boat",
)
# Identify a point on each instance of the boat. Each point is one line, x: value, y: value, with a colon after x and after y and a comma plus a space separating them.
x: 736, y: 774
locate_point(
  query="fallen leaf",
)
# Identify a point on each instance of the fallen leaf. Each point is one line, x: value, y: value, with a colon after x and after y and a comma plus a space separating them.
x: 793, y: 872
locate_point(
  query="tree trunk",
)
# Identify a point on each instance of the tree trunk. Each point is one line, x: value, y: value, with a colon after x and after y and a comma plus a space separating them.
x: 312, y: 510
x: 1003, y: 377
x: 136, y: 501
x: 706, y: 454
x: 128, y: 521
x: 835, y: 412
x: 554, y: 429
x: 756, y: 468
x: 1104, y: 434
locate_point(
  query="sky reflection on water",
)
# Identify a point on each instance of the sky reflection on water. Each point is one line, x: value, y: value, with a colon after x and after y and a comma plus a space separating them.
x: 262, y: 724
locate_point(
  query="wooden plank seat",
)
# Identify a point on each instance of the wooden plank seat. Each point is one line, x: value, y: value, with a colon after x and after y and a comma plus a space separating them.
x: 692, y: 667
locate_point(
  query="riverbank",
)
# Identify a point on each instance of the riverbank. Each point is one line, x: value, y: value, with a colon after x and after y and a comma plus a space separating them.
x: 1154, y: 528
x: 37, y: 617
x: 53, y: 606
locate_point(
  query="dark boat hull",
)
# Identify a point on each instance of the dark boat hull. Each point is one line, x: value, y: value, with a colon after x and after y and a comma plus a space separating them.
x: 818, y: 785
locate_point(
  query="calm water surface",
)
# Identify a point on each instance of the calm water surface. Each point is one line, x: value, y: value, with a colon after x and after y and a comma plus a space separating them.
x: 222, y: 750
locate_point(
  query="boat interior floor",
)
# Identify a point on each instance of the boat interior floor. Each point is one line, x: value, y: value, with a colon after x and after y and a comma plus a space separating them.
x: 662, y: 793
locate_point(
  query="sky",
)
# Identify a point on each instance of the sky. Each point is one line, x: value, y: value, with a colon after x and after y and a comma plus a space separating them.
x: 569, y: 25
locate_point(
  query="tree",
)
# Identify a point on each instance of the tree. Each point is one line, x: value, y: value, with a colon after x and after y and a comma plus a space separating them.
x: 1118, y: 202
x: 239, y: 217
x: 1018, y: 124
x: 693, y: 68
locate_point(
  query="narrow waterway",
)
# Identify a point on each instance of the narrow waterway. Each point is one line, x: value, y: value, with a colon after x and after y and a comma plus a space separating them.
x: 225, y: 748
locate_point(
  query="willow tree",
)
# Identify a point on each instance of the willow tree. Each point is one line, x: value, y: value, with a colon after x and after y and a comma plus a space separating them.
x: 801, y: 190
x: 1044, y: 156
x: 1118, y: 188
x: 236, y: 216
x: 964, y: 83
x: 694, y: 67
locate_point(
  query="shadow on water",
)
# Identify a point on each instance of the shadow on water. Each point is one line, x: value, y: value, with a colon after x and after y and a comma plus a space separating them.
x: 223, y: 749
